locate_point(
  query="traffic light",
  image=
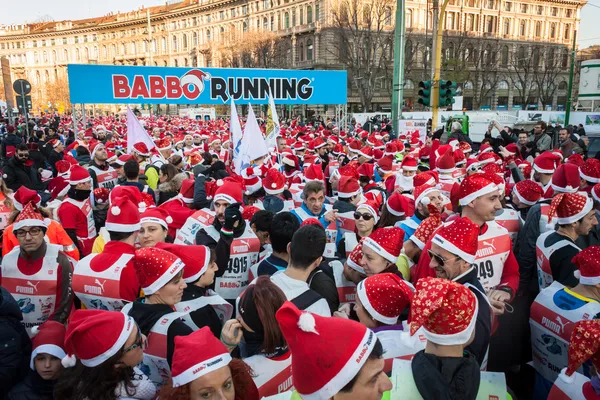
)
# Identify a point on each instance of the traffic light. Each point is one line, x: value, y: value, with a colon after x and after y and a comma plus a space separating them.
x: 447, y: 93
x: 425, y: 93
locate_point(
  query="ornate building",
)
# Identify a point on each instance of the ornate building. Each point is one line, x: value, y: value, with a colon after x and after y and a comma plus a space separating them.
x: 482, y: 37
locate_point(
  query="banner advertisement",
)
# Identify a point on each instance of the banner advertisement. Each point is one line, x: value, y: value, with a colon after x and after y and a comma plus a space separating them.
x: 109, y: 84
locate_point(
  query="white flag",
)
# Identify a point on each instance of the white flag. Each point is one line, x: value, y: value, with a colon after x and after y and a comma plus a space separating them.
x: 236, y: 135
x: 273, y: 127
x: 136, y: 132
x: 253, y: 144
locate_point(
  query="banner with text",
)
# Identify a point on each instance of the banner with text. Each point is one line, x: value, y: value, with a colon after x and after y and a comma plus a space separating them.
x: 108, y: 84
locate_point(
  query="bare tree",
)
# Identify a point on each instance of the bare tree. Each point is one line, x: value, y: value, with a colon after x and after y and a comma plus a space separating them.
x: 522, y: 77
x: 254, y: 50
x: 364, y: 43
x: 546, y: 74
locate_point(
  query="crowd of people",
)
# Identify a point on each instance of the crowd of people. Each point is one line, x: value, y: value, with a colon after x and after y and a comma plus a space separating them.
x: 358, y: 264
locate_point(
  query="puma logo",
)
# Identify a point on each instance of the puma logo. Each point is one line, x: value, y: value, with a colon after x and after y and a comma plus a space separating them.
x: 33, y: 286
x: 562, y: 325
x: 97, y: 282
x: 29, y: 289
x: 490, y: 244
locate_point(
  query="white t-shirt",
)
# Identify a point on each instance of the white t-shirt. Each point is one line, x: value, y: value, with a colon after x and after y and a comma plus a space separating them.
x: 294, y: 288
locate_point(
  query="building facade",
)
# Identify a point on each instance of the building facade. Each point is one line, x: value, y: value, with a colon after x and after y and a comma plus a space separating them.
x: 482, y: 37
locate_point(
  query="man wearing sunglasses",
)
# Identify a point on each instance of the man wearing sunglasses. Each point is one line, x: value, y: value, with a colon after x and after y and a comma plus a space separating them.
x: 20, y: 171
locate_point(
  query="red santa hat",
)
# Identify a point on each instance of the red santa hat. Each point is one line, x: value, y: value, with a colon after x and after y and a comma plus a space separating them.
x: 249, y: 212
x: 528, y: 192
x: 298, y: 146
x: 460, y: 237
x: 314, y: 173
x: 158, y: 216
x: 584, y: 345
x: 384, y: 296
x: 409, y: 163
x: 426, y: 228
x: 545, y: 163
x: 123, y: 159
x: 229, y: 191
x: 94, y: 336
x: 141, y: 149
x: 123, y: 215
x: 186, y: 192
x: 23, y: 196
x: 420, y: 194
x: 588, y: 263
x: 397, y: 204
x: 424, y: 153
x: 446, y: 164
x: 63, y: 168
x: 391, y: 149
x: 30, y: 216
x: 566, y: 179
x: 59, y: 187
x: 273, y: 182
x: 446, y: 310
x: 465, y: 147
x: 318, y: 143
x: 385, y: 164
x: 355, y: 257
x: 94, y: 147
x: 322, y: 363
x: 49, y: 339
x: 569, y: 207
x: 348, y: 187
x: 366, y: 152
x: 196, y: 259
x: 163, y: 144
x: 100, y: 195
x: 484, y: 148
x: 474, y: 186
x: 596, y: 192
x: 55, y: 143
x: 196, y: 355
x: 79, y: 175
x: 155, y: 268
x: 371, y: 207
x: 366, y: 169
x: 387, y: 242
x: 425, y: 178
x: 589, y: 171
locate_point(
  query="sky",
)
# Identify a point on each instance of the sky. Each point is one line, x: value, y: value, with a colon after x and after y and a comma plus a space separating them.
x: 78, y: 9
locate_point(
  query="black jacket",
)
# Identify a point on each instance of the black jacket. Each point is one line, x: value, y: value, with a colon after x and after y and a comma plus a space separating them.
x: 321, y: 281
x: 33, y: 387
x: 53, y: 158
x: 15, y: 346
x: 483, y: 327
x: 10, y: 140
x: 17, y: 175
x: 146, y: 315
x: 205, y: 316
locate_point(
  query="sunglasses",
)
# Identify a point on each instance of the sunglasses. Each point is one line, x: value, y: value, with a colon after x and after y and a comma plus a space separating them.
x: 366, y: 217
x: 140, y: 341
x: 439, y: 259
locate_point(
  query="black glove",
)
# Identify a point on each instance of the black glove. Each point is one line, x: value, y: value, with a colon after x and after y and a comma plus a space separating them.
x: 232, y: 215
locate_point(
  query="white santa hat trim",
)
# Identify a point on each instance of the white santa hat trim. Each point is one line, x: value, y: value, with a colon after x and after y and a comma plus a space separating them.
x: 186, y: 200
x: 123, y: 336
x: 481, y: 192
x: 201, y: 369
x: 568, y: 189
x: 542, y: 170
x: 155, y: 220
x: 373, y: 245
x: 589, y: 204
x: 349, y: 370
x: 370, y: 209
x: 164, y: 278
x: 30, y: 223
x: 586, y: 280
x: 355, y: 266
x: 73, y: 183
x: 521, y: 198
x: 196, y: 276
x: 456, y: 338
x: 588, y: 178
x: 361, y: 292
x: 115, y: 227
x: 274, y: 191
x: 51, y: 349
x: 407, y: 168
x: 449, y: 246
x: 566, y: 378
x: 348, y: 195
x: 445, y: 171
x: 424, y: 194
x: 365, y: 155
x: 224, y: 197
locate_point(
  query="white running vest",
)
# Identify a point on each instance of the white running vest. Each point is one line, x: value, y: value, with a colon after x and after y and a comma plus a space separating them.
x: 494, y: 248
x: 346, y: 289
x: 35, y: 294
x: 509, y: 220
x: 271, y: 376
x: 86, y: 209
x: 100, y: 290
x: 223, y: 309
x: 551, y: 329
x: 400, y: 344
x: 563, y: 390
x: 350, y: 242
x: 542, y: 256
x: 105, y: 178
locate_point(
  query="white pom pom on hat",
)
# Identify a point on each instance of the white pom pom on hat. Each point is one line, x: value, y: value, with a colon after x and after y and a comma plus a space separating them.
x: 69, y: 361
x: 425, y: 200
x: 169, y: 220
x: 35, y: 330
x: 307, y: 323
x: 220, y: 182
x: 115, y: 210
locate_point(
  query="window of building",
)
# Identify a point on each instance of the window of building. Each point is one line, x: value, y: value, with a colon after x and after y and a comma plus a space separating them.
x: 221, y: 15
x: 506, y: 30
x: 552, y: 30
x: 309, y: 50
x: 490, y: 4
x: 540, y: 10
x: 301, y: 51
x: 244, y: 10
x: 450, y: 19
x: 287, y: 20
x: 233, y: 13
x: 409, y: 18
x: 309, y: 15
x: 523, y: 28
x: 265, y: 4
x: 521, y: 56
x: 565, y: 58
x: 524, y: 8
x: 317, y: 14
x: 490, y: 25
x: 294, y: 17
x: 174, y: 46
x: 562, y: 85
x: 64, y: 41
x: 554, y: 11
x: 470, y: 22
x: 36, y: 58
x: 507, y: 6
x: 567, y: 31
x: 538, y: 29
x: 66, y: 55
x: 185, y: 42
x: 504, y: 56
x: 244, y: 27
x: 568, y: 13
x: 195, y: 38
x: 76, y: 39
x: 301, y: 15
x: 265, y: 24
x: 2, y: 45
x: 272, y: 23
x: 163, y: 44
x: 468, y: 85
x: 195, y: 21
x: 77, y: 55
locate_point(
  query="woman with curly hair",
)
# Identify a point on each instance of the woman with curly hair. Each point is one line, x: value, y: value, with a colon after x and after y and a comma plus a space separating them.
x: 103, y: 349
x: 203, y: 369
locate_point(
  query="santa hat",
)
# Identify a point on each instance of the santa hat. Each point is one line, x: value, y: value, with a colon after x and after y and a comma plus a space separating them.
x: 291, y: 161
x: 163, y: 144
x: 155, y: 268
x: 213, y: 139
x: 322, y: 363
x: 158, y: 216
x: 460, y: 237
x: 79, y: 175
x: 123, y: 159
x: 249, y: 212
x: 566, y: 179
x: 397, y: 204
x: 273, y: 182
x: 23, y: 196
x: 298, y: 146
x: 366, y: 152
x: 588, y: 263
x: 385, y: 164
x: 94, y: 148
x: 186, y: 192
x: 387, y: 242
x: 474, y: 186
x: 420, y: 194
x: 590, y: 172
x: 377, y: 154
x: 100, y: 195
x: 545, y: 163
x: 366, y: 169
x: 141, y: 149
x: 372, y: 208
x: 94, y: 336
x: 355, y: 257
x: 446, y: 164
x: 348, y: 170
x: 384, y: 296
x: 123, y: 215
x: 426, y: 229
x: 63, y: 168
x: 424, y: 153
x: 132, y: 192
x: 409, y: 163
x: 196, y: 259
x: 528, y: 192
x: 58, y: 187
x: 569, y: 207
x: 596, y: 192
x: 318, y: 143
x: 576, y: 159
x: 488, y: 158
x: 55, y: 143
x: 390, y: 149
x: 425, y: 178
x: 348, y: 187
x: 465, y: 147
x: 196, y: 355
x: 30, y: 216
x: 229, y: 191
x: 194, y: 159
x: 584, y: 345
x: 314, y: 173
x: 49, y: 339
x: 484, y: 148
x: 446, y: 310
